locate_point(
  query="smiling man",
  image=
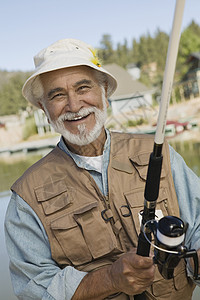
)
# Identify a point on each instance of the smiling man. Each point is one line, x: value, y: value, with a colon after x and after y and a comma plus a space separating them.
x: 73, y: 219
x: 76, y: 105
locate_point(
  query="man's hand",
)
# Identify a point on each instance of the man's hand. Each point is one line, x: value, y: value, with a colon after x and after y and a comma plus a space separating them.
x: 132, y: 273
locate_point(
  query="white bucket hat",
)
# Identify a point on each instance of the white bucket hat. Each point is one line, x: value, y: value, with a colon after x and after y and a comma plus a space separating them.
x: 64, y: 54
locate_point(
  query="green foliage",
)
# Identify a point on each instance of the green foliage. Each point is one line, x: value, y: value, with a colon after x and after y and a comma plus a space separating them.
x: 142, y: 53
x: 106, y: 52
x: 189, y: 43
x: 147, y: 50
x: 29, y: 128
x: 11, y: 99
x: 161, y: 44
x: 123, y: 54
x: 12, y: 168
x: 134, y: 123
x: 110, y: 126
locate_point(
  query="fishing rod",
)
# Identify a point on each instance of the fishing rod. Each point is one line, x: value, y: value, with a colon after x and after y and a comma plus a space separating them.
x: 155, y: 161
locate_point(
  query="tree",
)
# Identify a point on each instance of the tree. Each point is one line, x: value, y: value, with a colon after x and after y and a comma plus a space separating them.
x: 161, y: 41
x: 11, y: 99
x: 106, y: 53
x: 147, y: 50
x: 123, y: 54
x: 151, y: 50
x: 190, y: 42
x: 135, y: 52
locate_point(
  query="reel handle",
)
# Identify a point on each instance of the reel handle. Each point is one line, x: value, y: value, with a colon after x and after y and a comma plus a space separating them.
x: 192, y: 253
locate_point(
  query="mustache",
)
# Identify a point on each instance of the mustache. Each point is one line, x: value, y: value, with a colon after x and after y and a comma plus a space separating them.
x: 83, y: 112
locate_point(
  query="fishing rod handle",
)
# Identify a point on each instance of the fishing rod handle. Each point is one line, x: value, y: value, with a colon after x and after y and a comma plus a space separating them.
x: 151, y: 195
x: 143, y: 247
x: 153, y: 179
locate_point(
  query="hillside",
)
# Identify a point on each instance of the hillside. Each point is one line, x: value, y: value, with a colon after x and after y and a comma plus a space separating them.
x: 5, y: 76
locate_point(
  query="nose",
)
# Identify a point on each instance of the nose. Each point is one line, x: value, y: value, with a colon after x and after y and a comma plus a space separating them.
x: 73, y: 102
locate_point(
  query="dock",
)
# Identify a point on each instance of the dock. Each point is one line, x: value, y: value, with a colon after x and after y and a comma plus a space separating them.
x: 30, y: 146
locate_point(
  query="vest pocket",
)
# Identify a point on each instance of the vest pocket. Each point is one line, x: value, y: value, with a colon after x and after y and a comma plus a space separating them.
x: 54, y: 196
x: 83, y: 234
x: 135, y: 200
x: 162, y: 287
x: 141, y: 162
x: 177, y: 284
x: 71, y: 240
x: 180, y: 276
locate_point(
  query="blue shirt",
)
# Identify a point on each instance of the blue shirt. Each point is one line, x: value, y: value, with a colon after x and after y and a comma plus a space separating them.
x: 35, y: 275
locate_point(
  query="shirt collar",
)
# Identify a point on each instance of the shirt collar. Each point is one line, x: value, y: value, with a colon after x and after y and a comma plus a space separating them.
x: 78, y: 161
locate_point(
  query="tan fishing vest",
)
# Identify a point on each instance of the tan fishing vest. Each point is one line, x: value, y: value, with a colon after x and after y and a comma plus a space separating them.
x: 87, y: 230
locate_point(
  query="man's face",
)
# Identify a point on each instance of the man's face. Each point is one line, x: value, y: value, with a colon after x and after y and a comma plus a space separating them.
x: 74, y: 103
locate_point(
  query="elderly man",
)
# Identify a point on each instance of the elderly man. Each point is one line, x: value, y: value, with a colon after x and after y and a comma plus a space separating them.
x: 73, y: 219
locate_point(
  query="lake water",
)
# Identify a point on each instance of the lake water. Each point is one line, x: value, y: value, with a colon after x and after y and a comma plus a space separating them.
x: 190, y: 151
x: 13, y: 166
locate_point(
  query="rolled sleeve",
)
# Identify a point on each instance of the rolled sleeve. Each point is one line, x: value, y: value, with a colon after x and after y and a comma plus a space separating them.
x: 34, y: 274
x: 70, y: 279
x: 187, y: 186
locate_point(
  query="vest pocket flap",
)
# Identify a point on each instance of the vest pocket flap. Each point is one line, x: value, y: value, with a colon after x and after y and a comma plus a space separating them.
x: 141, y: 159
x: 50, y: 190
x: 64, y: 222
x: 84, y: 209
x: 84, y: 235
x: 69, y: 236
x: 162, y: 288
x: 54, y: 196
x: 98, y: 234
x: 136, y: 198
x: 117, y: 165
x: 141, y: 162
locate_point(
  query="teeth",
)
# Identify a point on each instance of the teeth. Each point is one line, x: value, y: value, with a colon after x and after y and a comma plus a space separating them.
x: 77, y: 118
x: 74, y: 118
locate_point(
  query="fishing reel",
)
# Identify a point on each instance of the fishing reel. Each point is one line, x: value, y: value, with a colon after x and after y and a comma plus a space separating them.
x: 169, y: 233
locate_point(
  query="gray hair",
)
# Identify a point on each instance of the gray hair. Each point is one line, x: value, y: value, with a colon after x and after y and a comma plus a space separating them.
x: 38, y: 90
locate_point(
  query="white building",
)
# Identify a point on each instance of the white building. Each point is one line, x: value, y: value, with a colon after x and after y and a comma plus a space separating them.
x: 130, y: 94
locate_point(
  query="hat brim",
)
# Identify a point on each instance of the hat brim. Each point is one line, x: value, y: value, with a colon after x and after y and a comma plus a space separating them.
x: 61, y: 64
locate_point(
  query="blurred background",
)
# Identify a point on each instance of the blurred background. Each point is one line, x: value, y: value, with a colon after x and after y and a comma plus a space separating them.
x: 131, y: 38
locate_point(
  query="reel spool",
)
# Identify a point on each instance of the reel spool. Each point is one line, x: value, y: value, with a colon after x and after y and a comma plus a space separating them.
x: 169, y: 233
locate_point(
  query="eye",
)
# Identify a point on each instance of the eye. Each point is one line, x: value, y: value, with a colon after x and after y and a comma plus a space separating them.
x: 83, y: 88
x: 56, y: 96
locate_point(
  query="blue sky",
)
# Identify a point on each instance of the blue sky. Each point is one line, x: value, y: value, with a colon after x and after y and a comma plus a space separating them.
x: 27, y: 26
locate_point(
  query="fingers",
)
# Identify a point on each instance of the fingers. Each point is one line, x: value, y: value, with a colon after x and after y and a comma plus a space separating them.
x: 132, y: 273
x: 137, y: 261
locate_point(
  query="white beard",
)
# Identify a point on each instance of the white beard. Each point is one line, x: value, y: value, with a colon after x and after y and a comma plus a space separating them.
x: 84, y: 136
